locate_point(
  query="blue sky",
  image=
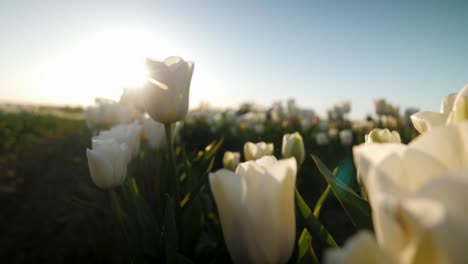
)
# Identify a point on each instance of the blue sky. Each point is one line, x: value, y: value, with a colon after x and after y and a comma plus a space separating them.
x: 319, y: 52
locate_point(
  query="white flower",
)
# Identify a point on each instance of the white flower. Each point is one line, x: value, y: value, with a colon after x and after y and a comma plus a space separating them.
x: 108, y: 113
x: 454, y: 109
x: 256, y: 208
x: 293, y: 146
x: 155, y: 134
x: 255, y: 151
x: 346, y: 137
x: 231, y: 160
x: 418, y: 197
x: 382, y: 136
x: 167, y: 90
x: 125, y: 133
x: 107, y: 161
x: 321, y: 139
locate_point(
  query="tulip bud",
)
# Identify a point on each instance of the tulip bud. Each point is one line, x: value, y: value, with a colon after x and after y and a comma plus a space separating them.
x: 129, y: 134
x: 107, y: 161
x: 231, y: 160
x: 346, y: 137
x: 167, y: 89
x: 256, y: 209
x: 382, y: 136
x: 293, y: 146
x: 321, y: 139
x: 255, y: 151
x: 155, y: 134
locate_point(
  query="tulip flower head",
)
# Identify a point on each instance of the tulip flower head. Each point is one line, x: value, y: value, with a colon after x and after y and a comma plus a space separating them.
x: 382, y: 136
x: 155, y: 134
x: 231, y: 160
x: 346, y: 137
x: 107, y: 161
x: 129, y: 134
x: 254, y: 151
x: 321, y: 139
x: 293, y: 146
x: 454, y: 109
x: 167, y: 89
x: 256, y: 208
x: 418, y: 197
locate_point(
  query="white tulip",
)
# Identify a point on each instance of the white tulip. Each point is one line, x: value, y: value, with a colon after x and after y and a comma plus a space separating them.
x: 454, y: 109
x: 155, y: 134
x: 256, y: 208
x: 293, y: 146
x: 321, y: 139
x: 382, y: 136
x: 346, y: 137
x: 125, y: 133
x: 254, y: 151
x: 231, y: 160
x: 167, y: 89
x: 418, y: 196
x: 107, y: 161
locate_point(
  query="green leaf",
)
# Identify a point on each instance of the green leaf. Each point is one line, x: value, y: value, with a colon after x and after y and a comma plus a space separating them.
x: 192, y: 194
x: 313, y: 225
x: 323, y: 198
x: 306, y: 253
x: 357, y: 208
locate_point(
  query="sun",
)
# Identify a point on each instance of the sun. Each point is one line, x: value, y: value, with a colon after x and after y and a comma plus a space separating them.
x: 102, y: 64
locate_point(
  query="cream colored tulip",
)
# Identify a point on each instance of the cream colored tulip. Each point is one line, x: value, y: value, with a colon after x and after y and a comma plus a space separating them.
x: 167, y: 89
x: 293, y: 146
x: 254, y: 151
x: 418, y: 197
x: 321, y: 139
x: 454, y: 109
x: 125, y: 133
x: 107, y: 161
x: 256, y: 208
x: 155, y: 134
x: 382, y: 136
x: 231, y: 160
x: 346, y: 137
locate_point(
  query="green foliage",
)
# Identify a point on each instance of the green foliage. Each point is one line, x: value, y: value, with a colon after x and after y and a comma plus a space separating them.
x: 357, y: 208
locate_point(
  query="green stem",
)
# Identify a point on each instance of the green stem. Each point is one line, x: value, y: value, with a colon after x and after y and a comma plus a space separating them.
x: 173, y: 178
x: 118, y: 213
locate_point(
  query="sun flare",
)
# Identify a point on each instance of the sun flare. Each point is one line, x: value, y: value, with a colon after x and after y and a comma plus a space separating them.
x: 102, y: 65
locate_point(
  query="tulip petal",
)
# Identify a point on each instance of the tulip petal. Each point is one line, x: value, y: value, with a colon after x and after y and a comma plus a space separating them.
x: 360, y: 249
x: 425, y: 120
x: 229, y: 193
x: 100, y: 169
x: 447, y: 103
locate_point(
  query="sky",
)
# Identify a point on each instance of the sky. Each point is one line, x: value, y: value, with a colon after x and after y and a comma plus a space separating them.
x: 319, y: 52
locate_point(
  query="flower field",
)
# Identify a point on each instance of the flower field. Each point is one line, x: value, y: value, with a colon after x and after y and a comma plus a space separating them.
x: 144, y: 180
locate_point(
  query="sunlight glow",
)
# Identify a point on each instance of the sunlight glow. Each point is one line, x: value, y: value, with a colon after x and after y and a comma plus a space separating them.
x: 102, y: 65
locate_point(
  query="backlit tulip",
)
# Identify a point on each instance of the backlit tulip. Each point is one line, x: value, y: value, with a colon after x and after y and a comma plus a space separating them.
x: 231, y: 160
x: 293, y: 146
x: 167, y: 89
x: 254, y: 151
x: 256, y: 208
x: 382, y: 136
x: 107, y: 161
